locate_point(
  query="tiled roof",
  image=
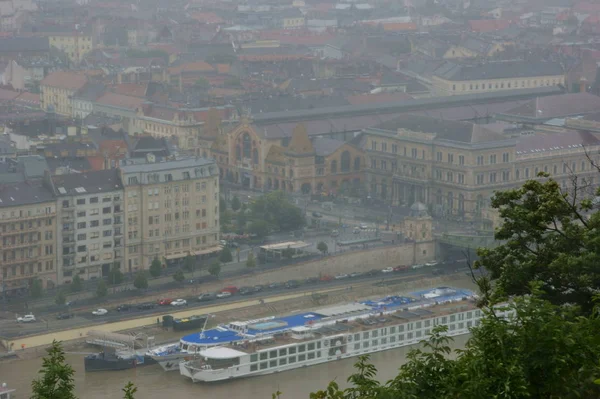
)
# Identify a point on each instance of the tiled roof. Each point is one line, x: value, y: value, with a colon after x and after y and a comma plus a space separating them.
x: 196, y: 66
x: 569, y: 104
x: 377, y: 98
x: 93, y: 182
x: 8, y: 95
x: 488, y: 25
x: 65, y: 80
x: 23, y: 193
x: 498, y: 70
x: 542, y: 142
x: 276, y: 154
x: 130, y: 89
x: 207, y: 17
x: 324, y: 146
x: 300, y: 143
x: 120, y: 101
x: 24, y: 44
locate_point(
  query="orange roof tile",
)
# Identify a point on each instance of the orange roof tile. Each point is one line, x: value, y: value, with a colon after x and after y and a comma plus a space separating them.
x: 488, y: 25
x: 65, y: 80
x: 197, y: 66
x: 130, y: 89
x: 399, y: 26
x: 223, y: 68
x: 207, y: 17
x: 120, y: 100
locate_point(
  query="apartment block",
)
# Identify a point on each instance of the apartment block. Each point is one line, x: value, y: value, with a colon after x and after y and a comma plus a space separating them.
x: 171, y: 210
x: 91, y: 224
x: 27, y: 236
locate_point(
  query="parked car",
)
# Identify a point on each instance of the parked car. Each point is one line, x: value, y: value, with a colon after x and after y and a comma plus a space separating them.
x: 232, y: 289
x: 356, y: 230
x: 311, y: 280
x: 275, y: 285
x: 326, y: 277
x: 64, y: 316
x: 373, y: 272
x: 341, y: 276
x: 317, y: 215
x: 335, y: 233
x: 146, y: 306
x: 258, y: 288
x: 363, y: 226
x: 179, y: 302
x: 124, y: 307
x: 205, y: 297
x: 418, y: 266
x: 224, y: 294
x: 100, y: 312
x: 431, y: 263
x: 387, y: 270
x: 28, y: 318
x: 246, y: 291
x: 355, y: 274
x: 292, y: 284
x: 165, y: 301
x: 401, y: 268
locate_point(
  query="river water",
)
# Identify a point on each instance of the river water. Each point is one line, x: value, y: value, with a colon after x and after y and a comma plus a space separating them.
x: 152, y: 382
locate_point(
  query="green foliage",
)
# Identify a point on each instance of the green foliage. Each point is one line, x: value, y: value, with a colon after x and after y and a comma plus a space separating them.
x: 178, y: 276
x: 129, y: 391
x: 57, y: 376
x: 101, y: 289
x: 189, y: 263
x: 215, y: 268
x: 115, y: 277
x: 277, y: 211
x: 76, y: 284
x: 226, y: 218
x: 251, y: 260
x: 141, y: 280
x: 260, y: 228
x: 36, y: 289
x: 288, y: 253
x: 547, y: 235
x: 155, y: 267
x: 61, y: 298
x: 225, y: 255
x: 222, y: 204
x: 322, y: 247
x: 242, y: 220
x: 236, y: 204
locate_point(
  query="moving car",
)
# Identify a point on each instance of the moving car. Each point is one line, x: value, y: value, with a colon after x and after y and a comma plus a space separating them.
x: 275, y: 285
x: 418, y: 266
x: 356, y: 230
x: 224, y: 294
x: 100, y: 312
x: 28, y: 318
x: 341, y: 276
x: 232, y: 289
x: 355, y: 274
x: 317, y: 215
x: 292, y: 284
x: 258, y: 288
x: 387, y: 270
x: 246, y: 291
x: 205, y: 297
x: 64, y: 316
x: 401, y: 268
x: 146, y: 306
x: 179, y: 302
x: 431, y: 263
x: 335, y: 233
x: 124, y: 307
x: 165, y: 301
x: 363, y: 226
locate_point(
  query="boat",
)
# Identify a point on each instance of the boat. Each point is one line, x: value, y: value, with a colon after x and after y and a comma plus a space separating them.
x: 339, y: 332
x: 6, y: 392
x: 112, y: 360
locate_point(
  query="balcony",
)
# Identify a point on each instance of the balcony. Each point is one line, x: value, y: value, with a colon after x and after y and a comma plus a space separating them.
x: 23, y: 244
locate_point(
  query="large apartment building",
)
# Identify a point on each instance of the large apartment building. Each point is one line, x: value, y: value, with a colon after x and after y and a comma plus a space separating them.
x: 90, y: 224
x: 172, y: 210
x: 455, y: 167
x: 27, y: 236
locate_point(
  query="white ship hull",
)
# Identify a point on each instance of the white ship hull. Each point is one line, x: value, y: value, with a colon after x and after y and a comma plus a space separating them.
x: 241, y: 371
x: 171, y: 362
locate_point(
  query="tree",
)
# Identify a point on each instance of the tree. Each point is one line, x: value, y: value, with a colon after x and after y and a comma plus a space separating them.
x: 260, y: 228
x: 275, y: 209
x: 129, y: 391
x: 179, y: 276
x: 251, y: 260
x: 36, y: 289
x: 155, y: 267
x: 61, y: 298
x: 547, y: 235
x: 57, y: 376
x: 225, y: 255
x: 241, y: 220
x: 236, y: 204
x: 115, y: 276
x: 288, y: 253
x: 76, y: 284
x: 140, y: 281
x: 322, y: 246
x: 189, y: 263
x: 222, y: 204
x: 215, y: 268
x: 101, y: 289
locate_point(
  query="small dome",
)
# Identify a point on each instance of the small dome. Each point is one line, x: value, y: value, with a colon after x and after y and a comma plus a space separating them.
x: 418, y: 209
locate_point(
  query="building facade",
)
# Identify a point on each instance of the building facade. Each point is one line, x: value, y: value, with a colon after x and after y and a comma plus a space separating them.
x: 455, y: 167
x: 74, y: 44
x: 27, y: 245
x: 57, y: 89
x: 171, y: 210
x: 90, y: 215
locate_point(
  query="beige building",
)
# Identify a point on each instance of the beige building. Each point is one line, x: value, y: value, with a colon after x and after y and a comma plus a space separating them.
x: 58, y: 88
x: 455, y: 167
x: 28, y: 236
x: 74, y: 44
x: 171, y: 210
x: 451, y: 78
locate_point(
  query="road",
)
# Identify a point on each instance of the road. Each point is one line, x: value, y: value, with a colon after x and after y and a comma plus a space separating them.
x: 12, y: 329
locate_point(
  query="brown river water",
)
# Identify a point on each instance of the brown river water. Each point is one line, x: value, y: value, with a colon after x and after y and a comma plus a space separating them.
x: 152, y: 382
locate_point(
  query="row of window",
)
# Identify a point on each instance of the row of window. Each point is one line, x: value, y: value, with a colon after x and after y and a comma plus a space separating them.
x: 284, y: 361
x: 509, y: 85
x: 25, y: 270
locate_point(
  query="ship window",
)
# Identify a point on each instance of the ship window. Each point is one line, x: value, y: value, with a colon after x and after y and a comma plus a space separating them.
x: 401, y: 337
x: 357, y: 336
x: 292, y: 350
x: 375, y: 343
x: 392, y: 339
x: 282, y: 361
x: 263, y: 365
x: 301, y: 358
x: 253, y: 367
x: 461, y: 325
x: 384, y: 331
x: 409, y: 335
x: 375, y: 334
x: 452, y: 327
x: 469, y: 315
x: 292, y: 359
x: 282, y: 352
x: 444, y: 320
x: 366, y: 335
x: 272, y: 354
x: 319, y: 345
x: 418, y: 324
x: 383, y: 341
x: 477, y: 313
x: 272, y: 363
x: 311, y: 346
x: 427, y: 323
x: 409, y: 327
x: 452, y: 318
x: 418, y: 334
x: 393, y: 330
x: 302, y: 348
x: 263, y: 355
x: 427, y: 331
x: 366, y: 344
x: 469, y: 324
x: 311, y: 355
x: 254, y: 357
x: 356, y: 347
x: 401, y: 328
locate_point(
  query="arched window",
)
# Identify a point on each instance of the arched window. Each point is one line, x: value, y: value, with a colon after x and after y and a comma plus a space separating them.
x: 238, y: 152
x: 334, y: 166
x: 255, y: 156
x: 247, y: 145
x: 357, y: 163
x: 345, y: 161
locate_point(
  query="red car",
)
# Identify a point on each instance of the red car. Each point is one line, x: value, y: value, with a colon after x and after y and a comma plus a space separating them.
x: 165, y: 301
x: 231, y: 289
x: 401, y: 268
x: 326, y: 277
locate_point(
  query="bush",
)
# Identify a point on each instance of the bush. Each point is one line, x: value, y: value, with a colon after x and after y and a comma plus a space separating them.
x: 236, y: 204
x: 251, y: 261
x: 141, y: 280
x: 225, y: 255
x: 215, y: 268
x: 101, y: 289
x: 76, y: 284
x: 61, y: 298
x: 115, y: 277
x: 36, y: 289
x: 155, y: 268
x: 179, y: 276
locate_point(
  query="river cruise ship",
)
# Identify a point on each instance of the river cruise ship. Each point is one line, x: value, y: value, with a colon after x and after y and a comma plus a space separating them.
x: 337, y: 333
